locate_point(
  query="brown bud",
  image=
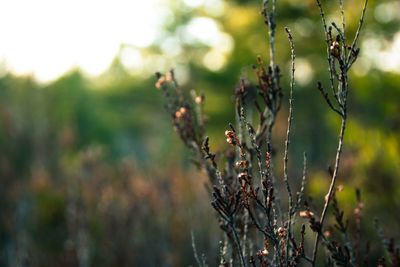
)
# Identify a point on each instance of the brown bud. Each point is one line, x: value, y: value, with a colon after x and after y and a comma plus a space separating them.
x: 180, y: 113
x: 242, y: 164
x: 230, y: 137
x: 183, y: 110
x: 282, y: 232
x: 306, y: 214
x: 264, y: 252
x: 229, y: 134
x: 199, y: 99
x: 231, y: 141
x: 335, y: 49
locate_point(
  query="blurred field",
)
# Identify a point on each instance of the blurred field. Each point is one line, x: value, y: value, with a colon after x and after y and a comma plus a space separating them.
x: 92, y: 174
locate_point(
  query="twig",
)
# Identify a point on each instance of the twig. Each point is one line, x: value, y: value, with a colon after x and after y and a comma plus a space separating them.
x: 285, y: 163
x: 360, y: 23
x: 328, y: 101
x: 331, y: 187
x: 196, y: 256
x: 328, y: 44
x: 238, y: 246
x: 303, y: 183
x: 343, y: 27
x: 341, y: 33
x: 270, y: 20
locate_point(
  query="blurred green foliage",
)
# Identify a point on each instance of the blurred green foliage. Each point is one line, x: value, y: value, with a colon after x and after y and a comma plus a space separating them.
x: 89, y: 168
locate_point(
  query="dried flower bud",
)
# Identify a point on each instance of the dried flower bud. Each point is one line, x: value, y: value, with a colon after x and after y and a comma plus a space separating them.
x: 242, y: 164
x: 281, y: 232
x: 199, y: 99
x: 229, y: 134
x: 264, y: 252
x: 183, y: 110
x: 230, y: 137
x: 231, y: 141
x: 335, y: 49
x: 306, y: 214
x: 180, y: 113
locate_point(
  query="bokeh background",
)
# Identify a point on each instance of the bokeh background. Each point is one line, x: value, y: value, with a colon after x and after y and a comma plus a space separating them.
x: 92, y: 173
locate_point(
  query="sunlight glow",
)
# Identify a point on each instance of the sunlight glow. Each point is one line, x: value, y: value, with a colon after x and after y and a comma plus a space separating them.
x: 212, y: 7
x: 46, y: 38
x: 386, y: 12
x: 214, y: 60
x: 384, y: 54
x: 304, y: 71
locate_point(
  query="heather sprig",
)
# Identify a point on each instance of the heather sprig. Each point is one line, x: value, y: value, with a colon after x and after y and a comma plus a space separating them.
x: 244, y: 193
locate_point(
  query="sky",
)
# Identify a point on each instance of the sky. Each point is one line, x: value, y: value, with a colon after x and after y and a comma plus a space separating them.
x: 46, y: 38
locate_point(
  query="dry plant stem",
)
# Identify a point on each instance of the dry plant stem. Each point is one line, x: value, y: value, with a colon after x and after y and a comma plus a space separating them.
x: 238, y: 245
x: 290, y: 117
x: 270, y: 19
x: 332, y: 185
x: 330, y: 68
x: 303, y: 183
x: 245, y: 231
x: 341, y: 97
x: 360, y: 23
x: 326, y: 97
x: 343, y: 25
x: 270, y: 16
x: 196, y: 256
x: 287, y: 142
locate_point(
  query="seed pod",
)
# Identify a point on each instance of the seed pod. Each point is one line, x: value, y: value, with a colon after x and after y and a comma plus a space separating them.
x: 335, y: 49
x: 242, y: 164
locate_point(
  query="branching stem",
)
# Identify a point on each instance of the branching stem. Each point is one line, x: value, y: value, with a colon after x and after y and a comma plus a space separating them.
x: 331, y: 187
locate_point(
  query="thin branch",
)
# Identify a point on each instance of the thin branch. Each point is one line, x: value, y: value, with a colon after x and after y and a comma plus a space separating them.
x: 270, y: 20
x: 238, y: 245
x: 343, y: 27
x: 341, y: 33
x: 303, y: 184
x: 328, y: 101
x: 290, y: 118
x: 308, y: 259
x: 257, y: 149
x: 328, y: 44
x: 360, y: 23
x: 332, y: 185
x: 258, y: 226
x: 196, y: 256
